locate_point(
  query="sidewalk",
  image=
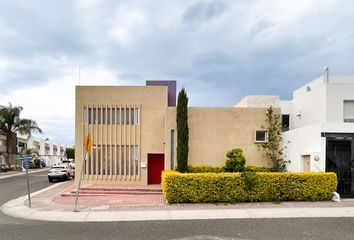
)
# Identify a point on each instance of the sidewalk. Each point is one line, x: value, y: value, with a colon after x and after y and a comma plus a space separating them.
x: 49, y: 205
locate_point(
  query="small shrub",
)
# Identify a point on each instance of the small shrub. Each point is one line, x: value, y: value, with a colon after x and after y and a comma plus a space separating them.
x: 236, y: 161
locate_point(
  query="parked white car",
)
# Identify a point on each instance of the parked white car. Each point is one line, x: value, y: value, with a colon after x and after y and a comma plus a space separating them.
x: 61, y: 172
x: 70, y: 162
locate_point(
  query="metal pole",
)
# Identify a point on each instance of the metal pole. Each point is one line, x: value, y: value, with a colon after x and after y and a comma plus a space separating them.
x: 28, y: 189
x: 81, y: 175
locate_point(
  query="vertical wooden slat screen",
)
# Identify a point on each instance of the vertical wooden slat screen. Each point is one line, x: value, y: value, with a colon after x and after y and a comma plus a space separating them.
x: 116, y: 135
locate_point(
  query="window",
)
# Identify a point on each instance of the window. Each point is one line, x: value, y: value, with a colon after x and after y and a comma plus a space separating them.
x: 260, y: 136
x: 348, y: 110
x: 172, y: 136
x: 20, y: 144
x: 285, y: 122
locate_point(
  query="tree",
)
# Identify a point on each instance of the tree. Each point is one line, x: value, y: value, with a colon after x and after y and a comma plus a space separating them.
x: 70, y: 153
x: 182, y: 131
x: 10, y: 123
x: 273, y: 147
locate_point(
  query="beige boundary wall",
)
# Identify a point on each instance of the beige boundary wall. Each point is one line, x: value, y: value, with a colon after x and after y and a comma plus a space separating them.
x: 214, y: 131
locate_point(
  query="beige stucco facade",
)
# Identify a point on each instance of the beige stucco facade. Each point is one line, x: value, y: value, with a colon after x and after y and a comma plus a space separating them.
x: 147, y: 135
x: 214, y: 131
x: 130, y: 124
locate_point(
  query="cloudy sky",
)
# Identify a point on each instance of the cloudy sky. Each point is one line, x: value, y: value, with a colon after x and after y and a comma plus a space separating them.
x: 219, y: 50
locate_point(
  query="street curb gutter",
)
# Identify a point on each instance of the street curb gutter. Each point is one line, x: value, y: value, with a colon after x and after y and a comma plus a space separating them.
x: 16, y: 208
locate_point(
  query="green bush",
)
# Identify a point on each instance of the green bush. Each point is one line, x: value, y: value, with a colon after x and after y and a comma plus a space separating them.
x: 257, y: 187
x: 254, y: 168
x: 35, y: 164
x: 236, y: 161
x: 204, y: 169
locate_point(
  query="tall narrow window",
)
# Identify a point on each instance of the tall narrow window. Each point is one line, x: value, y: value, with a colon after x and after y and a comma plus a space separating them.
x: 108, y: 116
x: 90, y: 116
x: 132, y: 116
x: 285, y: 122
x: 172, y: 136
x: 104, y: 115
x: 85, y: 116
x: 113, y: 116
x: 118, y: 116
x: 122, y: 116
x: 94, y: 115
x: 127, y: 116
x: 99, y: 116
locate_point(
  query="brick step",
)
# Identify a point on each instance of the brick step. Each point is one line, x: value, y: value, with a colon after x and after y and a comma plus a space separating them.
x: 118, y: 189
x: 105, y: 193
x: 118, y: 192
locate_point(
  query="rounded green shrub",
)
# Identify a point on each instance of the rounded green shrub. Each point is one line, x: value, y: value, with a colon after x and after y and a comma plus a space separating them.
x: 236, y: 161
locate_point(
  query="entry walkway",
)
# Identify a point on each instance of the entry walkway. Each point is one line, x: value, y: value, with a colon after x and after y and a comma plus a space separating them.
x: 50, y: 204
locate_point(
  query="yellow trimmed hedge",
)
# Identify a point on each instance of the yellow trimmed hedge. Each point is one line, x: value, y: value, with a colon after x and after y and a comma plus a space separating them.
x: 250, y: 187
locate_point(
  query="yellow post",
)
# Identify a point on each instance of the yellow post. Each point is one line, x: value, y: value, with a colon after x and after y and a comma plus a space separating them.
x: 87, y: 147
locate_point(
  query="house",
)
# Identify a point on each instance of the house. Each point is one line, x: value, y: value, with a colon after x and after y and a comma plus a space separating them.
x: 320, y: 133
x: 52, y: 153
x: 133, y: 129
x: 318, y: 127
x: 46, y: 149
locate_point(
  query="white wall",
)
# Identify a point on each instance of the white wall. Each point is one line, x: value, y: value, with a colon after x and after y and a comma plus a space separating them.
x: 305, y: 141
x: 259, y: 102
x: 308, y: 108
x: 336, y: 94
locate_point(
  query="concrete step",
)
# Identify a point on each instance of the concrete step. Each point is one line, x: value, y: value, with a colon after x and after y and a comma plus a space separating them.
x: 121, y: 189
x: 73, y: 193
x: 109, y: 191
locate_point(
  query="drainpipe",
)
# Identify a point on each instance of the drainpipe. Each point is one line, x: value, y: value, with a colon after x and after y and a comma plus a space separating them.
x: 326, y: 73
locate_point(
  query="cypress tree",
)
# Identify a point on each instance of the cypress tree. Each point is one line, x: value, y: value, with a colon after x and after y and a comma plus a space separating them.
x: 182, y: 131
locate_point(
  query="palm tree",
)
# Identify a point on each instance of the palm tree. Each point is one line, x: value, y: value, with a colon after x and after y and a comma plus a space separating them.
x: 11, y: 123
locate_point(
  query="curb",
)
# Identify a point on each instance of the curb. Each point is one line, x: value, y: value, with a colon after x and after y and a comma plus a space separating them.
x: 16, y: 208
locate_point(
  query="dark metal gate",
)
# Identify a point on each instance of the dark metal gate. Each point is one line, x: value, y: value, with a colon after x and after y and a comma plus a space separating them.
x: 339, y: 159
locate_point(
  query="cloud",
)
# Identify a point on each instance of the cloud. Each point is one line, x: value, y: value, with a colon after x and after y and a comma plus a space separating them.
x: 203, y: 11
x: 219, y: 50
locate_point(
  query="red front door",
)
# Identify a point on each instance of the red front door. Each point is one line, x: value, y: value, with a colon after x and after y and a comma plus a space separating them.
x: 155, y: 167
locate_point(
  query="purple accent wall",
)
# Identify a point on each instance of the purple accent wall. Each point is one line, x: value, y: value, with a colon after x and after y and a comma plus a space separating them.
x: 171, y: 86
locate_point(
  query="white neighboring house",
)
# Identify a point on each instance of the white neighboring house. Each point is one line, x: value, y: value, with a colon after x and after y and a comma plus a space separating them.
x: 318, y: 127
x: 320, y: 119
x: 48, y: 150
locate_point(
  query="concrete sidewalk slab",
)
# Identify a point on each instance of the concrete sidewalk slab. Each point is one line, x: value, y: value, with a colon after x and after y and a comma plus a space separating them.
x: 47, y: 210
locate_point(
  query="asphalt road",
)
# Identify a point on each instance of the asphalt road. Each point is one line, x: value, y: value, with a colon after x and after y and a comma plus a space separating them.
x: 287, y: 229
x: 14, y: 187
